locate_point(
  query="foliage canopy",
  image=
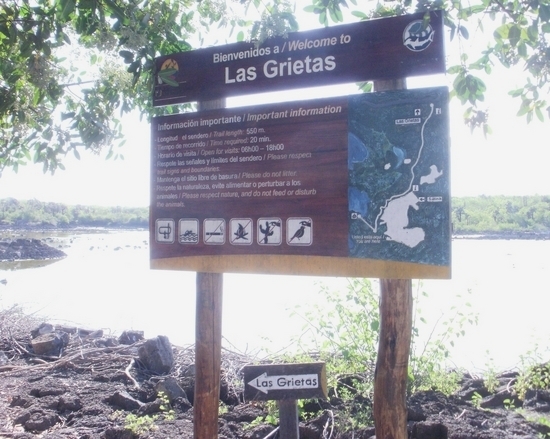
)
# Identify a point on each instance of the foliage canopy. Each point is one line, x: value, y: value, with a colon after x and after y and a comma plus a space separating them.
x: 520, y: 38
x: 69, y: 69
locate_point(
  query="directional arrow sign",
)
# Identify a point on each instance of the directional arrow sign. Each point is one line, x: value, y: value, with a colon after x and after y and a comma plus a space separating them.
x: 285, y: 381
x: 266, y: 383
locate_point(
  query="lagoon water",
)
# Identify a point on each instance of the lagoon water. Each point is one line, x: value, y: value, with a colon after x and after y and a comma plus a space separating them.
x: 105, y: 282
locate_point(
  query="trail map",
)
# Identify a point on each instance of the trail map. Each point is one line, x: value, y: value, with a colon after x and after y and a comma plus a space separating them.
x: 398, y: 165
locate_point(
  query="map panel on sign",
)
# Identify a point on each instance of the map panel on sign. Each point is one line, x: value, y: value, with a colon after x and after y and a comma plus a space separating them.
x: 398, y: 160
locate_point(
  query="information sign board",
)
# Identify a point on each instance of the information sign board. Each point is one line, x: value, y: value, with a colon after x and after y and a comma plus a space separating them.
x: 359, y: 185
x: 386, y: 48
x: 285, y: 381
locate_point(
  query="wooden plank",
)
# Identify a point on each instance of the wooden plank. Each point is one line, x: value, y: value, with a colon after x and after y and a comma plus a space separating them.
x: 304, y: 265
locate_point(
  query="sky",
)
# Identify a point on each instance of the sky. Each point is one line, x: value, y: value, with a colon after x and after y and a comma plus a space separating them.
x: 511, y: 161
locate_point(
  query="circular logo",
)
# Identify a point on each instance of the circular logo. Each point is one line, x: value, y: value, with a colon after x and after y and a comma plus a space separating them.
x: 172, y: 66
x: 418, y: 35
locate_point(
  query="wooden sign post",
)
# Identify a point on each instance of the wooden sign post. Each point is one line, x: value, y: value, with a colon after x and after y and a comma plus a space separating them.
x: 285, y: 383
x: 390, y: 380
x: 246, y: 189
x: 208, y: 343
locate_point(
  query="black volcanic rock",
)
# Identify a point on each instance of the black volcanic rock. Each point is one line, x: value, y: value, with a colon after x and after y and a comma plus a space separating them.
x: 25, y: 249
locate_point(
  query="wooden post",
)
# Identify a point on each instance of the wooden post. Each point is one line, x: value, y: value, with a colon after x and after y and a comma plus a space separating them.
x: 208, y: 336
x: 208, y: 342
x: 288, y: 419
x: 390, y: 380
x: 392, y: 363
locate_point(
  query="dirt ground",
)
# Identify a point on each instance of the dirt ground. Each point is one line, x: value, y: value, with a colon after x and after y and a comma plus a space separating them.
x: 98, y: 389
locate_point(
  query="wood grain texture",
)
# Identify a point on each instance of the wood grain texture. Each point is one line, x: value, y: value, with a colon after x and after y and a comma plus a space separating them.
x: 304, y: 265
x: 394, y: 345
x: 208, y: 343
x: 390, y: 381
x: 288, y: 419
x: 208, y: 355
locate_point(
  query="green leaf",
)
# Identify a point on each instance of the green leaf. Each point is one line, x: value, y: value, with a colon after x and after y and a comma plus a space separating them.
x: 37, y: 96
x: 514, y: 35
x: 133, y: 67
x: 524, y: 108
x: 359, y: 14
x: 464, y: 32
x: 533, y: 33
x: 522, y: 49
x: 474, y: 10
x: 515, y: 93
x: 127, y: 55
x: 169, y: 81
x: 365, y: 87
x: 145, y: 20
x: 544, y: 12
x: 67, y: 8
x: 539, y: 114
x: 117, y: 11
x: 323, y: 18
x: 502, y: 32
x: 453, y: 70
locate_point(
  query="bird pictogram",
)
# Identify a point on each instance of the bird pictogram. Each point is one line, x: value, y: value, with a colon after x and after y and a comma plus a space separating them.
x: 301, y: 231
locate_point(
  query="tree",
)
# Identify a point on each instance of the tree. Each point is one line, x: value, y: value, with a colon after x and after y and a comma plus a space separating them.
x: 69, y: 69
x: 521, y: 37
x: 51, y: 106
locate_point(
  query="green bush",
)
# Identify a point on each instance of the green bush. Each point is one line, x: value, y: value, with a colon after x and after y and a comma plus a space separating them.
x: 342, y: 329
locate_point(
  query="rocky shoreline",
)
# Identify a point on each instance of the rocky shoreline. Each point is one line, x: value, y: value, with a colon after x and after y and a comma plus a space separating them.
x: 67, y: 383
x: 28, y: 249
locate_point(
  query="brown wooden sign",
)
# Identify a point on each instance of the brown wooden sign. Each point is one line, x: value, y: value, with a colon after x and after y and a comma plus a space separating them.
x: 386, y: 48
x: 285, y: 381
x: 351, y: 186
